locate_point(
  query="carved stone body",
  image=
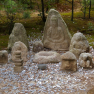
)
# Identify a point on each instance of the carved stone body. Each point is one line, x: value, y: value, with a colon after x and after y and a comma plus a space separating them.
x: 3, y: 57
x: 69, y: 61
x: 79, y: 44
x: 85, y: 60
x: 56, y: 35
x: 18, y: 34
x: 19, y: 46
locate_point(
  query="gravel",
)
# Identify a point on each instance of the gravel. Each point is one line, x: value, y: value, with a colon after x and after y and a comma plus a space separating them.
x: 50, y: 81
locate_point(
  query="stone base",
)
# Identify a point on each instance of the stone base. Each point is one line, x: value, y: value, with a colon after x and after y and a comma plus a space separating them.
x: 18, y: 64
x: 18, y: 69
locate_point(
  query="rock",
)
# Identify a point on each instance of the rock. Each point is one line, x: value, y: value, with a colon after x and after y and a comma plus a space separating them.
x: 85, y: 60
x: 18, y: 34
x: 69, y: 61
x: 79, y: 44
x: 37, y: 46
x: 3, y: 57
x: 44, y: 57
x: 42, y: 66
x: 18, y: 48
x: 56, y: 35
x: 18, y: 69
x: 91, y: 91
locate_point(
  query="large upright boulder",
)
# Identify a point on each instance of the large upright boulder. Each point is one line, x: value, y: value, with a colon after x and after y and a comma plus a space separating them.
x: 79, y: 44
x: 56, y: 34
x: 18, y: 34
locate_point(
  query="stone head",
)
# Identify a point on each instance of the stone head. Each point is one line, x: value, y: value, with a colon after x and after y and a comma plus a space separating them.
x: 54, y: 21
x: 18, y: 47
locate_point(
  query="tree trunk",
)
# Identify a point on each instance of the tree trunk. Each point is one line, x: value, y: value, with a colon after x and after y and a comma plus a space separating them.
x: 57, y: 1
x: 89, y: 8
x: 43, y: 15
x: 72, y: 10
x: 85, y: 9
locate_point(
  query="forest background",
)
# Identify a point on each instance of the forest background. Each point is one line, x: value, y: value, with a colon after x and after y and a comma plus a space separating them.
x: 78, y: 15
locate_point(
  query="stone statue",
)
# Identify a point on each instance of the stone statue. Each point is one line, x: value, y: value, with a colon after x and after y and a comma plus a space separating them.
x: 56, y: 35
x: 20, y: 47
x: 18, y: 34
x: 85, y: 60
x: 69, y: 61
x: 3, y: 57
x: 79, y: 44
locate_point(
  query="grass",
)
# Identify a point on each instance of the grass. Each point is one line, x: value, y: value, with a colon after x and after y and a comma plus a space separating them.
x: 3, y: 41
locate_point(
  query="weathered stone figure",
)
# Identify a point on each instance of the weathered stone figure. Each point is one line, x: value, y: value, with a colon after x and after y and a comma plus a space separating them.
x: 79, y: 44
x: 18, y: 34
x: 56, y: 35
x: 69, y: 61
x: 3, y: 57
x: 85, y: 60
x: 19, y: 46
x: 37, y: 46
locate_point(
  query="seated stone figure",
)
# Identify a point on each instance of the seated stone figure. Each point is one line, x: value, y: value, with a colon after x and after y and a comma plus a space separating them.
x: 56, y: 35
x: 79, y: 44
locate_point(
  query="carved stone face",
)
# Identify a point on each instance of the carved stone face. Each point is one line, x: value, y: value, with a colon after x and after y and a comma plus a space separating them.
x: 54, y: 21
x: 69, y: 65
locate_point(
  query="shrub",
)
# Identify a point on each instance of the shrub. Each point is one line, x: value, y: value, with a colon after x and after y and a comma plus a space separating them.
x: 26, y: 14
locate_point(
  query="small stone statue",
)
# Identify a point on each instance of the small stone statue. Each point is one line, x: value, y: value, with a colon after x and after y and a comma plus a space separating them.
x: 18, y: 61
x: 3, y: 57
x: 69, y: 61
x: 85, y: 60
x: 79, y: 44
x: 19, y: 46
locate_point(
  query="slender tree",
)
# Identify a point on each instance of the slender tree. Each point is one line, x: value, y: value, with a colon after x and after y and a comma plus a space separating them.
x: 72, y: 10
x: 43, y: 15
x: 89, y: 8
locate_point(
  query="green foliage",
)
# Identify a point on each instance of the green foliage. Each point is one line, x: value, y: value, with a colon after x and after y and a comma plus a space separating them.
x: 10, y: 6
x: 26, y: 14
x: 90, y: 26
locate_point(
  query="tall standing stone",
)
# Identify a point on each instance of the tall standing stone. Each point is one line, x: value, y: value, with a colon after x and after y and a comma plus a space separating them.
x: 79, y: 44
x: 56, y: 34
x: 18, y: 34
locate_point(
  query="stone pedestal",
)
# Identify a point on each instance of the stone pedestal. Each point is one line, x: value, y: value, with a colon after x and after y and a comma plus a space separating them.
x: 18, y: 69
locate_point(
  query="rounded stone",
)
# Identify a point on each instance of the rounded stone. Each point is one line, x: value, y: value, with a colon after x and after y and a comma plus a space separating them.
x: 45, y: 57
x: 42, y: 66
